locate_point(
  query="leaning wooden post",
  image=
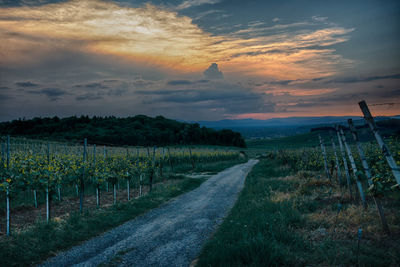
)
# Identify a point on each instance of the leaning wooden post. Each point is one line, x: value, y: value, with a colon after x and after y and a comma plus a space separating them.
x: 47, y: 187
x: 346, y: 167
x: 338, y: 172
x: 8, y: 189
x: 82, y: 183
x: 369, y: 176
x: 354, y: 167
x: 324, y: 155
x: 385, y: 150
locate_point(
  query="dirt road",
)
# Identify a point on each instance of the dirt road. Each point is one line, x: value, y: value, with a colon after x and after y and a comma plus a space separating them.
x: 171, y: 235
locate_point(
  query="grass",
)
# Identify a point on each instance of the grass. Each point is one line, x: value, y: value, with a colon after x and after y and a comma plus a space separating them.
x: 43, y: 240
x: 291, y: 219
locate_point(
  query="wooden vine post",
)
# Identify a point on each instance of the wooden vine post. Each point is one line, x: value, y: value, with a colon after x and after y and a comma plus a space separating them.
x: 82, y: 181
x: 170, y: 160
x: 385, y: 150
x: 8, y: 189
x: 354, y: 167
x: 338, y: 172
x: 191, y: 158
x: 369, y: 176
x: 95, y: 173
x: 346, y: 167
x: 47, y: 187
x: 324, y: 155
x: 104, y: 158
x: 153, y: 164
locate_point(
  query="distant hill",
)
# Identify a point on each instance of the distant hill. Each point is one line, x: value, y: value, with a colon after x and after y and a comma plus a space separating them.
x: 386, y: 127
x: 139, y: 130
x: 280, y: 127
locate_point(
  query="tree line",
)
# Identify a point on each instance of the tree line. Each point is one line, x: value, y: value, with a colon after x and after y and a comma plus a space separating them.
x: 139, y: 130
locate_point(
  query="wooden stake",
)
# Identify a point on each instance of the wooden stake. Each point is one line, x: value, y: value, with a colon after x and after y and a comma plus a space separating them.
x: 324, y: 155
x: 346, y: 167
x: 115, y: 193
x: 354, y: 167
x: 47, y: 187
x: 385, y: 150
x: 82, y: 182
x: 339, y: 173
x: 170, y: 160
x: 8, y: 190
x: 369, y: 176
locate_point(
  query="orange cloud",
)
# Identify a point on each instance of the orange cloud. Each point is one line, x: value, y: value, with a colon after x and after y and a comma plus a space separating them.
x: 164, y: 38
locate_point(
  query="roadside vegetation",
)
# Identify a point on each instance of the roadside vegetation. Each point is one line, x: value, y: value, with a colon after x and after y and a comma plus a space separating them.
x: 290, y: 217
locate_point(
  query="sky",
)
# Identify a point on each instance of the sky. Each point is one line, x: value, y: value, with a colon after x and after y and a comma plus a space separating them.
x: 198, y: 59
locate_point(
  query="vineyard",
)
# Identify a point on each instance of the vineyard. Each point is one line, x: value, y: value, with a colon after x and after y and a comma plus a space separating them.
x: 35, y: 173
x: 335, y: 204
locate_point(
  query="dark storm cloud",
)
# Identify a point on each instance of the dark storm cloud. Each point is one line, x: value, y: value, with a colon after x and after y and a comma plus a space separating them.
x: 4, y: 88
x: 26, y: 84
x: 363, y: 79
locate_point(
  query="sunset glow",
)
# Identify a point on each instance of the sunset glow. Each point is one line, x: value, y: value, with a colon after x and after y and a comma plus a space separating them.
x: 142, y: 46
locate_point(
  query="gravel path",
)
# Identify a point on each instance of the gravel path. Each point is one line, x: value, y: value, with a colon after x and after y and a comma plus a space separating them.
x: 171, y: 235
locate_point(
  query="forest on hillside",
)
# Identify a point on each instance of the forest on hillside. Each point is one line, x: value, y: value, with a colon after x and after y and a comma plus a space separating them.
x: 139, y: 130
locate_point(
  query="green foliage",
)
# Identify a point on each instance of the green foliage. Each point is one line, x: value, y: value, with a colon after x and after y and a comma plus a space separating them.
x: 139, y: 130
x: 43, y: 240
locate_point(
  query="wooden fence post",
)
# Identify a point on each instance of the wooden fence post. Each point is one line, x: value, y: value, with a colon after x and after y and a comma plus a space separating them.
x: 170, y: 160
x: 47, y: 187
x: 324, y: 155
x: 369, y: 176
x: 354, y: 167
x: 346, y: 167
x: 338, y: 172
x: 8, y: 190
x: 385, y: 150
x: 82, y: 182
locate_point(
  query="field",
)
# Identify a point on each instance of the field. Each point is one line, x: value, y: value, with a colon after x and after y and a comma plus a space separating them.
x: 294, y: 213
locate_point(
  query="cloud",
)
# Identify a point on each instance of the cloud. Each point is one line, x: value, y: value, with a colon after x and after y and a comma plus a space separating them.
x: 159, y: 38
x: 213, y: 72
x: 319, y: 18
x: 363, y: 79
x: 88, y: 96
x: 26, y: 84
x: 5, y: 97
x: 214, y: 97
x: 193, y: 3
x: 52, y: 93
x: 92, y: 86
x: 4, y: 88
x: 179, y: 82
